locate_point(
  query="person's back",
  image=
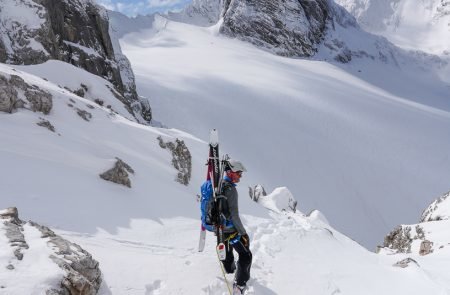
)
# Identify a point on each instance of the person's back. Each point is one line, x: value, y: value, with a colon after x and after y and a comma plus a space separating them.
x: 235, y: 235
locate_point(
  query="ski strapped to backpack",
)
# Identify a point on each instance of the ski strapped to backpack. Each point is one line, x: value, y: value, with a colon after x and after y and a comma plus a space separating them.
x: 212, y: 197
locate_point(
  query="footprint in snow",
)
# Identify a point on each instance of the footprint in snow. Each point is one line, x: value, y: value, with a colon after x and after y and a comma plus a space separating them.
x: 154, y: 288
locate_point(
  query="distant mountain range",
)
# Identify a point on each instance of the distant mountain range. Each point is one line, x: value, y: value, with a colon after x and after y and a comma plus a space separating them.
x: 420, y: 25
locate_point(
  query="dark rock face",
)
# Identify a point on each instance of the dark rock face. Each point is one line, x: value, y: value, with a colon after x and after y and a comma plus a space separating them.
x: 291, y: 28
x: 75, y: 32
x: 82, y: 275
x: 119, y: 173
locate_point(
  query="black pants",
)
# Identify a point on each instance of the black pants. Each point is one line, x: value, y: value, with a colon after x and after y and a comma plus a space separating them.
x: 244, y: 262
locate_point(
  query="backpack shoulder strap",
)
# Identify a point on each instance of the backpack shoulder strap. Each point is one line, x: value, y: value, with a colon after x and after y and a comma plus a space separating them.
x: 226, y: 186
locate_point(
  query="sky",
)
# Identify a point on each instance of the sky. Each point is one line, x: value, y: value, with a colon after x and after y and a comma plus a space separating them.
x: 143, y: 7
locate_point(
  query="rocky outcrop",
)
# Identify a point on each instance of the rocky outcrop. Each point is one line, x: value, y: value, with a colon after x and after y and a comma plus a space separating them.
x: 181, y: 158
x: 426, y: 247
x: 256, y: 192
x: 399, y: 239
x: 13, y: 231
x: 119, y: 173
x: 406, y: 263
x: 75, y: 32
x: 46, y: 124
x: 424, y: 238
x: 286, y: 27
x: 9, y: 100
x: 402, y: 237
x: 16, y: 93
x: 81, y: 274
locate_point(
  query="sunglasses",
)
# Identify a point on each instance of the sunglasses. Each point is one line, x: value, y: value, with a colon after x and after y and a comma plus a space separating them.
x: 239, y: 173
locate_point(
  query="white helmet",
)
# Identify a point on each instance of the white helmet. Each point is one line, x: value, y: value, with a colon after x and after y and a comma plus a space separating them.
x: 235, y: 166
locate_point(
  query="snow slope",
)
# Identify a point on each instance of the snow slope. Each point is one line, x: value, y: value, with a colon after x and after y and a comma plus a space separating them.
x: 53, y: 178
x: 365, y: 143
x: 292, y: 254
x: 146, y: 237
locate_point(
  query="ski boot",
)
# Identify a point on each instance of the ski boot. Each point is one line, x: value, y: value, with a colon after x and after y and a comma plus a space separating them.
x: 239, y: 290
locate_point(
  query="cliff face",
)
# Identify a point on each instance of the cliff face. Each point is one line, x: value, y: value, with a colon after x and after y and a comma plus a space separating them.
x: 286, y: 27
x: 76, y: 32
x: 291, y: 28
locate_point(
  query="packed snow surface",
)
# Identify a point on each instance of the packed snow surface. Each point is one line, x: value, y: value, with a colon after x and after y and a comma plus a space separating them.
x: 365, y: 143
x: 292, y: 254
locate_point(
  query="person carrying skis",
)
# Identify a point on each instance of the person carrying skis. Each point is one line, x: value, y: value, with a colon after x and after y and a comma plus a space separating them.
x: 235, y: 234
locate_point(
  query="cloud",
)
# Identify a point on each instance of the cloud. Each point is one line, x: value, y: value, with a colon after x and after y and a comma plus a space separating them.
x: 165, y: 3
x: 135, y: 7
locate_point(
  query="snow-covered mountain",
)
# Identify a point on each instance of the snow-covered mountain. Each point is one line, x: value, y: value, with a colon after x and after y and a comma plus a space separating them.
x: 319, y: 28
x: 355, y: 134
x: 76, y: 32
x: 200, y: 12
x: 361, y: 139
x: 420, y: 25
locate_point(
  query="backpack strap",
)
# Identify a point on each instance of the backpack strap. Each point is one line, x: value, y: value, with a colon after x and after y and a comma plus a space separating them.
x: 226, y: 186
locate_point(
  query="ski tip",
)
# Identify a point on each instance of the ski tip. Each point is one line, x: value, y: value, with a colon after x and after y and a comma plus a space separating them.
x: 214, y: 137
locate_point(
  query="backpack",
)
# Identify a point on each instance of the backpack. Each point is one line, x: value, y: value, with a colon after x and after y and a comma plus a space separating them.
x: 208, y: 207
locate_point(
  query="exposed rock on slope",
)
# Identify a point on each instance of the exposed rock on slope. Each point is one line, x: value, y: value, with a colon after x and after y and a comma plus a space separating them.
x: 427, y: 236
x: 181, y: 159
x: 73, y: 270
x: 119, y: 173
x: 75, y: 32
x: 16, y: 93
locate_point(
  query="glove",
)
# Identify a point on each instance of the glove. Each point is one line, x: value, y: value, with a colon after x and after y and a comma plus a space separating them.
x: 245, y: 240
